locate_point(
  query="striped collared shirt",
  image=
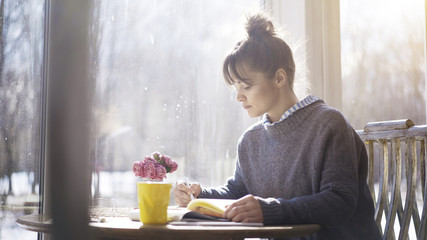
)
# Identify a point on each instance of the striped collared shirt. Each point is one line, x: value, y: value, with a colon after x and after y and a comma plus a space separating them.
x: 309, y: 99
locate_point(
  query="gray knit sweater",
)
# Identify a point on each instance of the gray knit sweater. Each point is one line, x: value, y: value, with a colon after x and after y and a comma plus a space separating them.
x: 309, y: 168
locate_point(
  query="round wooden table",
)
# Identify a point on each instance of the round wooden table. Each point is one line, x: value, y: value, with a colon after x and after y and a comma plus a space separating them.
x: 124, y: 228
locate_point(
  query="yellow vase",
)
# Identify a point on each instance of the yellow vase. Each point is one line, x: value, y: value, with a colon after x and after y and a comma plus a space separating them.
x: 153, y: 201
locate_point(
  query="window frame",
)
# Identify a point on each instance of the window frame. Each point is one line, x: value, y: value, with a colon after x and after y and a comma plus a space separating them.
x: 43, y: 120
x: 64, y: 197
x: 321, y: 45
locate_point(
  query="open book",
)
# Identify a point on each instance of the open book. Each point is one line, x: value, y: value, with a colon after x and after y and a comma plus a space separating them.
x: 206, y: 209
x: 208, y: 212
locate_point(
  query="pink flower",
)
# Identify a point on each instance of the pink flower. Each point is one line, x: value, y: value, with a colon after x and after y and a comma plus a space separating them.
x: 167, y: 160
x: 138, y: 168
x: 150, y: 160
x: 149, y: 170
x: 173, y: 166
x: 160, y: 172
x: 168, y: 163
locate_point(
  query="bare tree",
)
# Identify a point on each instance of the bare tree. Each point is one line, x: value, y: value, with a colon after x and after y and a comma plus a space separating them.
x: 19, y: 87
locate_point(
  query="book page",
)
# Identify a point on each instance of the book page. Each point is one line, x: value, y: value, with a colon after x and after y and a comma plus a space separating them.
x: 208, y: 206
x: 194, y: 216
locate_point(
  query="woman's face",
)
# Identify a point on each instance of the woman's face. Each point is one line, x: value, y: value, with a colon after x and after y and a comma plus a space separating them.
x: 257, y: 93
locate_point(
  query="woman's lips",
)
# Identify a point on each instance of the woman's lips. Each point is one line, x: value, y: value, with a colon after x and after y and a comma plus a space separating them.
x: 246, y: 107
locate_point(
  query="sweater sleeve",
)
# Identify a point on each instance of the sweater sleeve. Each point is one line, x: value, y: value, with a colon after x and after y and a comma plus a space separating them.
x: 234, y: 189
x: 337, y: 198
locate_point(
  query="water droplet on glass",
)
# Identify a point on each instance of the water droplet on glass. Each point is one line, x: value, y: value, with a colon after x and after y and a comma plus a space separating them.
x: 152, y: 39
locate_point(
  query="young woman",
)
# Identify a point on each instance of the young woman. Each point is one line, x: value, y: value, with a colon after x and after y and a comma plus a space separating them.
x: 303, y: 162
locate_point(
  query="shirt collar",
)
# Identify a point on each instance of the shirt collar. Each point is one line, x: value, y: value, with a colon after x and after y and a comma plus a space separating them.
x: 309, y: 99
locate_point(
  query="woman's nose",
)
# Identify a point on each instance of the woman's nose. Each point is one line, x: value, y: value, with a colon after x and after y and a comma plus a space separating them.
x: 239, y: 96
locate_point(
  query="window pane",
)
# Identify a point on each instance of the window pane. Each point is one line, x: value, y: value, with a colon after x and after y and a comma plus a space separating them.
x: 21, y: 53
x: 383, y: 60
x: 159, y: 87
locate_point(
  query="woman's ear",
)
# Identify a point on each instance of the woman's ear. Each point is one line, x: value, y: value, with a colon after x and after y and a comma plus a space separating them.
x: 280, y: 78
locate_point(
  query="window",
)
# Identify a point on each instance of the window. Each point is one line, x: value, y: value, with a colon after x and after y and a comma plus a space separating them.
x: 21, y: 58
x: 383, y: 61
x: 159, y: 87
x: 383, y: 67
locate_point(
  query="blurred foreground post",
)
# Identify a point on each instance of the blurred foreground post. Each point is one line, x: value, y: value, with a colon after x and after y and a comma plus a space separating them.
x: 68, y: 110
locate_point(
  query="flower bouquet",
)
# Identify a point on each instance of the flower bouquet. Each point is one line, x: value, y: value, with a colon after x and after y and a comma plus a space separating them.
x: 154, y: 167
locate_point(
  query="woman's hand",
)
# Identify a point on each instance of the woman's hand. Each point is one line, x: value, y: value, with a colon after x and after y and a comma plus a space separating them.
x: 182, y: 192
x: 246, y: 209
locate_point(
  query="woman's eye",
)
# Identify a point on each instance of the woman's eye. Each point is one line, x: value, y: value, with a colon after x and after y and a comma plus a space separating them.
x: 247, y: 87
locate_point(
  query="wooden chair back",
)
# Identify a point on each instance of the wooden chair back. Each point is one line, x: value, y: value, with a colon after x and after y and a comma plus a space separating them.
x: 397, y: 177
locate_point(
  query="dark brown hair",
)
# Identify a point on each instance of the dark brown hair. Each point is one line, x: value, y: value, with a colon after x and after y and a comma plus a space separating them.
x: 262, y: 50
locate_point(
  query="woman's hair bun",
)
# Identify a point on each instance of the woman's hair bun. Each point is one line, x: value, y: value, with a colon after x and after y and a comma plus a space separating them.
x: 259, y: 25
